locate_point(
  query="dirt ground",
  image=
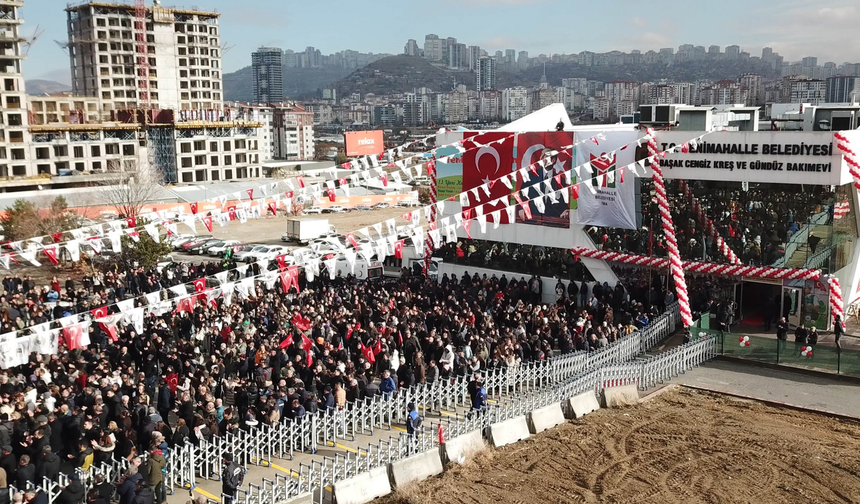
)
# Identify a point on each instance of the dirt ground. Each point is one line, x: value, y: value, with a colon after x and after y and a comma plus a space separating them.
x: 681, y: 447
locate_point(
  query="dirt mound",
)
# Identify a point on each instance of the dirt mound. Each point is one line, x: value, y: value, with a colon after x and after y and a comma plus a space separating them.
x: 683, y: 447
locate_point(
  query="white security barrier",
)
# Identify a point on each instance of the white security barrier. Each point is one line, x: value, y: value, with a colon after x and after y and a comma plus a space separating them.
x: 415, y: 468
x: 622, y: 395
x: 545, y: 418
x: 582, y: 404
x: 362, y: 488
x: 306, y: 498
x: 460, y: 448
x: 509, y: 431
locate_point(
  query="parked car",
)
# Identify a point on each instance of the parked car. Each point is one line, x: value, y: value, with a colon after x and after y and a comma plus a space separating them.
x: 241, y: 256
x: 265, y: 252
x: 362, y: 207
x: 420, y: 181
x: 380, y: 205
x: 187, y: 245
x: 181, y: 240
x: 219, y: 249
x: 334, y: 209
x: 314, y: 210
x: 200, y: 248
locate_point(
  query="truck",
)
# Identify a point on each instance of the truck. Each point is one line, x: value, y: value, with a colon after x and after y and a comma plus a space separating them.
x: 363, y: 270
x: 305, y: 230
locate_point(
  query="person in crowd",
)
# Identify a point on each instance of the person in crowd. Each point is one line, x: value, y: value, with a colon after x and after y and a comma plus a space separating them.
x: 231, y: 478
x: 838, y: 331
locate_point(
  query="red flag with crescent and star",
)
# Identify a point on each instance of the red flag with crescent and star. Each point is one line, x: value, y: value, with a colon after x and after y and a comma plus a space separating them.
x: 484, y: 165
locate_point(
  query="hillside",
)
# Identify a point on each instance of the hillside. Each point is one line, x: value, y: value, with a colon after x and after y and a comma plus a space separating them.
x: 402, y: 74
x: 41, y: 86
x: 298, y: 82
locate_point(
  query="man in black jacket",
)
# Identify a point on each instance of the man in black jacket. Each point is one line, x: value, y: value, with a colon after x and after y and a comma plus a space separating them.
x: 73, y: 493
x: 26, y: 472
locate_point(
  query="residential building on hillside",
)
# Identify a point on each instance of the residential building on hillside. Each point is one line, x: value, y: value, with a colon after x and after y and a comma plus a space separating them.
x: 843, y: 89
x: 411, y: 48
x: 486, y: 74
x: 516, y: 103
x: 268, y: 74
x: 433, y: 47
x: 177, y: 65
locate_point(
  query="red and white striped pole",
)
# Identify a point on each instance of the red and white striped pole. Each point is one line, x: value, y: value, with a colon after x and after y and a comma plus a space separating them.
x: 851, y: 157
x: 836, y: 301
x: 428, y: 247
x: 709, y: 226
x: 675, y: 265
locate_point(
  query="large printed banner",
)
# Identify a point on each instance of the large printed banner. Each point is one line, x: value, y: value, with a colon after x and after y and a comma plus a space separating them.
x: 611, y: 199
x: 531, y: 148
x: 486, y: 164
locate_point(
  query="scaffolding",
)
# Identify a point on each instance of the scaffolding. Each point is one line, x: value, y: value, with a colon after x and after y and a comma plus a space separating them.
x: 162, y: 151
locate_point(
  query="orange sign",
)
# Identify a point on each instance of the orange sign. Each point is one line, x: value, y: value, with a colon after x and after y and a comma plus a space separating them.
x: 364, y: 143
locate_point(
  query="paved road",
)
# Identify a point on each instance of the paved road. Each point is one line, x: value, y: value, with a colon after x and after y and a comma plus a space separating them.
x: 776, y: 385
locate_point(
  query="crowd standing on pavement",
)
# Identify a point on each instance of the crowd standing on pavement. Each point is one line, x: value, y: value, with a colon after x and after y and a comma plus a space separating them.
x: 263, y: 358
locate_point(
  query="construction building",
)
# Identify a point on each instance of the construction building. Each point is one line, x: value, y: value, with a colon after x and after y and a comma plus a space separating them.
x: 268, y: 68
x: 163, y: 112
x: 132, y: 56
x: 288, y: 128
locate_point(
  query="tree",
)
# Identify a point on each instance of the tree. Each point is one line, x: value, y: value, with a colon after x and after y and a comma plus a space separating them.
x: 145, y: 253
x: 25, y: 219
x: 129, y: 192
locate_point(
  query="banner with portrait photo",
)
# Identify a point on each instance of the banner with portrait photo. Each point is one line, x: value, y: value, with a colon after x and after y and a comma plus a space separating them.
x: 531, y: 148
x: 607, y: 196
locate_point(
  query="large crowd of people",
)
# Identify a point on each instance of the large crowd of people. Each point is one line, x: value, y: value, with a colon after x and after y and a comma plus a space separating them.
x: 264, y: 357
x: 756, y: 222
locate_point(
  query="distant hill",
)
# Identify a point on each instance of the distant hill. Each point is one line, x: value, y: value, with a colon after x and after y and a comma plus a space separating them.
x: 298, y: 82
x: 402, y: 74
x: 40, y: 86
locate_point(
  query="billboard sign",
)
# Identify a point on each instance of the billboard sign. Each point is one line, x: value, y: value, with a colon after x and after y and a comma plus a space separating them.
x: 364, y: 143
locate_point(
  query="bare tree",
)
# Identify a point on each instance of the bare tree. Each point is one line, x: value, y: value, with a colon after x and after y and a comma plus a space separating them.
x: 129, y: 192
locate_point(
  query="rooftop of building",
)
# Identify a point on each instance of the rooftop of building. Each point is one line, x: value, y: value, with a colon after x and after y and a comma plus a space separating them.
x: 131, y: 7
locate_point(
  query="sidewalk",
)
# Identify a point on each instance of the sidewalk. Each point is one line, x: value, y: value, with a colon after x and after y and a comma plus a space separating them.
x: 821, y: 393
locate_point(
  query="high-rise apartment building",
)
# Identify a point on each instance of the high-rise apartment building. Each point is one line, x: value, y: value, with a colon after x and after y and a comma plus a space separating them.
x: 510, y: 57
x: 516, y: 103
x: 457, y: 57
x: 733, y: 51
x: 843, y: 89
x: 473, y: 54
x: 411, y: 48
x: 268, y: 79
x: 433, y: 47
x: 486, y: 74
x: 523, y: 60
x: 13, y: 144
x: 812, y: 91
x: 150, y: 57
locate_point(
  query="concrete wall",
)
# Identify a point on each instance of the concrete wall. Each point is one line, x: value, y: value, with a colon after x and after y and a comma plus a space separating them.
x: 415, y: 468
x: 509, y: 431
x: 545, y: 418
x: 460, y: 448
x: 362, y: 488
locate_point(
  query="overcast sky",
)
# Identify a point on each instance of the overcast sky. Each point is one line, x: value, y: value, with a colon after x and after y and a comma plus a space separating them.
x: 793, y: 28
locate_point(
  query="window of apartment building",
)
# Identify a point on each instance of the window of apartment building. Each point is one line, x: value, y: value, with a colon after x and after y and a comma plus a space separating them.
x: 9, y: 84
x: 228, y: 160
x: 214, y: 175
x: 43, y: 153
x: 213, y: 146
x: 199, y: 145
x: 103, y: 59
x: 128, y: 150
x: 227, y: 146
x: 61, y: 165
x: 79, y: 166
x: 187, y: 176
x: 95, y: 151
x: 105, y: 82
x: 185, y: 147
x: 187, y: 162
x: 18, y: 154
x: 242, y: 173
x: 101, y: 34
x: 43, y: 169
x: 213, y: 160
x: 199, y: 160
x: 16, y: 136
x: 183, y: 62
x: 228, y: 174
x: 216, y: 96
x: 183, y: 74
x: 241, y: 158
x: 240, y: 144
x: 97, y: 165
x: 183, y: 96
x: 103, y: 46
x: 111, y: 149
x: 105, y: 95
x: 14, y: 119
x: 79, y: 152
x: 61, y: 150
x: 200, y: 175
x: 19, y: 171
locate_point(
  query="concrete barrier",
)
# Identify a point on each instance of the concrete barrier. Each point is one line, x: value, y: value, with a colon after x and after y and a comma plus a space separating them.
x: 362, y: 488
x: 306, y: 498
x: 583, y: 404
x: 415, y: 468
x: 545, y: 418
x: 616, y: 397
x: 459, y: 449
x: 509, y: 431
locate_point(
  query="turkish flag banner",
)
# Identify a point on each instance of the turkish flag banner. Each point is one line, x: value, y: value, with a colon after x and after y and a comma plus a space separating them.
x: 207, y: 221
x: 74, y: 336
x: 200, y: 285
x: 301, y: 182
x: 351, y: 238
x: 288, y: 341
x: 52, y: 255
x: 331, y: 195
x: 273, y: 207
x: 482, y: 165
x: 57, y: 237
x: 282, y: 262
x: 384, y: 179
x: 131, y: 222
x: 194, y: 208
x: 100, y: 312
x: 534, y: 152
x: 398, y: 249
x: 250, y: 193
